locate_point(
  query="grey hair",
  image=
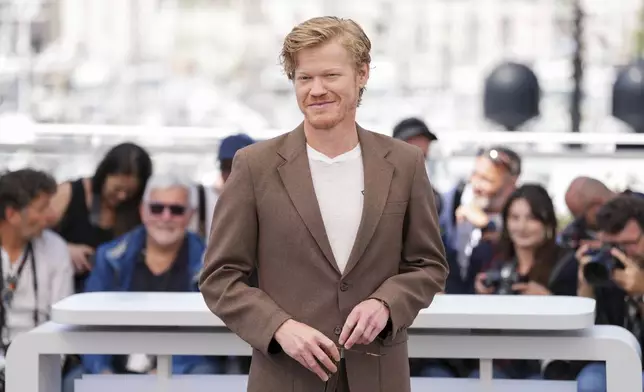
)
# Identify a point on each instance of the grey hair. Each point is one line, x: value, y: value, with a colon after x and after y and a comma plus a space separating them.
x: 166, y: 181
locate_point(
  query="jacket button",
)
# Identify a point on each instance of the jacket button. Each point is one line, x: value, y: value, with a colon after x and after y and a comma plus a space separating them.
x: 337, y: 330
x: 344, y: 287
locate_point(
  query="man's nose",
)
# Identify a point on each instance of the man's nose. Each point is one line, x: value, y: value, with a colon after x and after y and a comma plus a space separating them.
x: 121, y: 196
x: 166, y: 215
x: 317, y: 87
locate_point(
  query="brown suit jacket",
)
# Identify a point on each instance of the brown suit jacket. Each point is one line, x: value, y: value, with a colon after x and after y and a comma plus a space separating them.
x: 267, y: 219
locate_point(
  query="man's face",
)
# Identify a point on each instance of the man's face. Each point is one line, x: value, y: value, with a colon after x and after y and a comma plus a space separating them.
x: 166, y: 215
x: 421, y: 142
x: 630, y: 240
x: 32, y: 220
x: 119, y: 188
x: 488, y: 182
x: 327, y: 84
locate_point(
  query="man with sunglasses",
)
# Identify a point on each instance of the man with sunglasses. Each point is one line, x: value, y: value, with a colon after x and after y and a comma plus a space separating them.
x: 619, y: 302
x: 162, y: 256
x: 471, y: 213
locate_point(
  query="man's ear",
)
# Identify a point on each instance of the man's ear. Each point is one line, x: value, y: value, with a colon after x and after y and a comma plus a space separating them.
x: 363, y: 75
x: 11, y: 214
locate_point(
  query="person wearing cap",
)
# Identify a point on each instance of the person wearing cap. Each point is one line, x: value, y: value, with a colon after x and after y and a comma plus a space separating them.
x: 415, y: 131
x: 207, y: 196
x: 227, y: 150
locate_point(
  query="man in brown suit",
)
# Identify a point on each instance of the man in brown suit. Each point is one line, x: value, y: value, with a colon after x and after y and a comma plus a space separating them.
x: 341, y: 225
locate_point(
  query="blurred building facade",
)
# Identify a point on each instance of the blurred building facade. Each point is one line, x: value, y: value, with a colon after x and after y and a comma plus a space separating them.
x: 124, y: 61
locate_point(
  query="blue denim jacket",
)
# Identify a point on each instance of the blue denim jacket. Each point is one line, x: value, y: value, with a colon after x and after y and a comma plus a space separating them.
x: 113, y: 270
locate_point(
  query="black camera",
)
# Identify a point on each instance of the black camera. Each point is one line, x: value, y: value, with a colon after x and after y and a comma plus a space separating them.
x: 598, y: 270
x: 503, y: 279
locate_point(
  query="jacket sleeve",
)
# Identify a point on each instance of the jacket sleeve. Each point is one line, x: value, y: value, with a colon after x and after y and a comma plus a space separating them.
x: 231, y: 259
x: 423, y: 267
x: 100, y: 279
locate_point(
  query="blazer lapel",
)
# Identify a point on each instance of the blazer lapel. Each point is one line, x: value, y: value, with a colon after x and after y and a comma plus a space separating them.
x: 296, y: 176
x: 378, y: 173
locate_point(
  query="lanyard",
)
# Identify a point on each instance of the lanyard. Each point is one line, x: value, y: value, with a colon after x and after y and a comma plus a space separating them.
x: 8, y: 288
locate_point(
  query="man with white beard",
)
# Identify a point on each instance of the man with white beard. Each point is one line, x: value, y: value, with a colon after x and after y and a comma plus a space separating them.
x: 161, y: 255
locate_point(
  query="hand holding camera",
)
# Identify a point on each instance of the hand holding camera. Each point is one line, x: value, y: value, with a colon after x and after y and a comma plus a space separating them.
x: 600, y: 266
x: 630, y: 278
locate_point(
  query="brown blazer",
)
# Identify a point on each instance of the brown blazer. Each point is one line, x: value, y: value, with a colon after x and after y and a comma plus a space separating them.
x: 267, y: 218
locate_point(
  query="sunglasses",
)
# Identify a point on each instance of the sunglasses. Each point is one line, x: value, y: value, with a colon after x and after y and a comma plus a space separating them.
x: 500, y: 158
x: 159, y: 208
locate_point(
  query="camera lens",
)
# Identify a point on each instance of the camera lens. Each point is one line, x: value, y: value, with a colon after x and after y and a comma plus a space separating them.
x: 596, y: 274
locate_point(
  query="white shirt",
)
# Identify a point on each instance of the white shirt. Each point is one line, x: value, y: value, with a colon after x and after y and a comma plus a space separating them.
x: 339, y: 188
x: 54, y: 275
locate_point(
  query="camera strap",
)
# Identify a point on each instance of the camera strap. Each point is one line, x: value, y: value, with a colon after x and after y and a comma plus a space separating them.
x: 8, y: 287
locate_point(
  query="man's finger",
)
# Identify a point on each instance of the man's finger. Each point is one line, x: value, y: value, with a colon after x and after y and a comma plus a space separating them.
x: 581, y: 251
x: 351, y: 322
x: 313, y: 365
x: 619, y: 277
x: 330, y: 348
x: 520, y: 286
x: 357, y: 333
x: 619, y: 255
x: 366, y: 335
x: 324, y: 359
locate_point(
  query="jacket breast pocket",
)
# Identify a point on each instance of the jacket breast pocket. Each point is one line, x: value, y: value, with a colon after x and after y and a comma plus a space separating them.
x: 395, y: 208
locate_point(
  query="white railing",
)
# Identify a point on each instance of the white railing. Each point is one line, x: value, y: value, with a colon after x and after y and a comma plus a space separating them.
x: 484, y: 327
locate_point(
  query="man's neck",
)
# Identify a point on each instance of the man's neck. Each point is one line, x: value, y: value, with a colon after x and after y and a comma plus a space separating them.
x: 332, y: 142
x: 159, y: 258
x: 12, y: 243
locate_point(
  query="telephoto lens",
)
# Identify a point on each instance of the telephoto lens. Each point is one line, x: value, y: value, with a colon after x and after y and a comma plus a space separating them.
x: 599, y: 269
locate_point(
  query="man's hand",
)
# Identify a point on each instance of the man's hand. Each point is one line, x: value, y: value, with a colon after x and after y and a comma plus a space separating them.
x: 364, y: 323
x: 479, y: 287
x: 631, y: 278
x: 80, y: 255
x: 473, y: 214
x: 309, y: 347
x: 531, y: 288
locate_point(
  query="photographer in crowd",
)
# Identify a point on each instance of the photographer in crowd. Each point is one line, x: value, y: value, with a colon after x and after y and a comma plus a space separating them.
x: 35, y: 265
x: 614, y: 276
x: 470, y: 215
x: 528, y: 262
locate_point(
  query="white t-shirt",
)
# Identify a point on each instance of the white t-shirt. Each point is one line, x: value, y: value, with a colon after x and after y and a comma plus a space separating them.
x: 339, y: 188
x: 54, y: 275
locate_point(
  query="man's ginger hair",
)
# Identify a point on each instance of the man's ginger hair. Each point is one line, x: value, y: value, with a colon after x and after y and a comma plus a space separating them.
x: 320, y: 30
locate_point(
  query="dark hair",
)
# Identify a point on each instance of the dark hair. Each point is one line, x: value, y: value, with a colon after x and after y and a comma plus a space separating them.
x: 226, y: 165
x: 125, y: 159
x: 20, y: 188
x: 543, y: 210
x: 412, y: 127
x: 613, y: 216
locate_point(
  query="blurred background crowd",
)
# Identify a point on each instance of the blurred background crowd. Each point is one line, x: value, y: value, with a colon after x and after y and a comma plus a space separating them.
x: 119, y: 121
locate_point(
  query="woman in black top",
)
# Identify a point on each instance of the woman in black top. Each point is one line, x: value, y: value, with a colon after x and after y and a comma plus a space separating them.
x: 91, y: 211
x: 529, y: 262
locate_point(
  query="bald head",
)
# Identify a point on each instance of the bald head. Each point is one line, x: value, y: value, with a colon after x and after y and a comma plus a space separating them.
x: 584, y: 197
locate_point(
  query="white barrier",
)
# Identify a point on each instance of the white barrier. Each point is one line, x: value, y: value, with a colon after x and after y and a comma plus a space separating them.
x: 485, y: 327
